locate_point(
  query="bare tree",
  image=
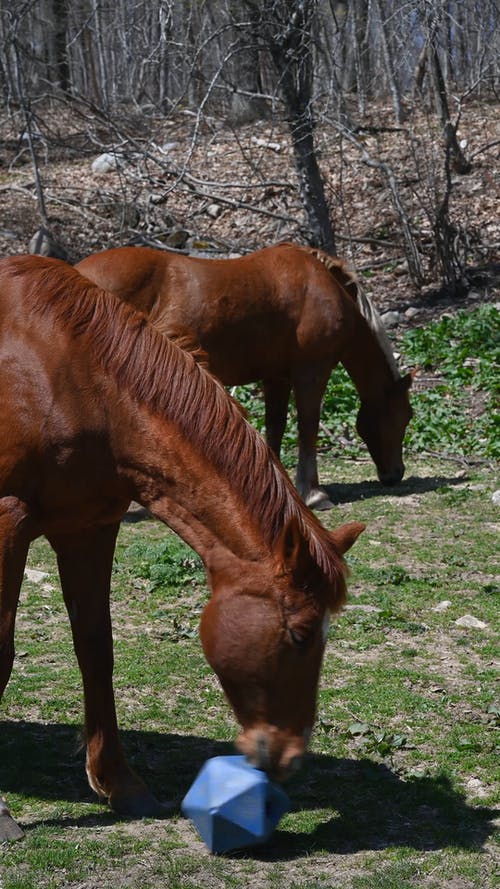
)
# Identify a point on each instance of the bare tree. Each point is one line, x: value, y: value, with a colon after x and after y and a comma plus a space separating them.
x: 306, y: 63
x: 285, y: 29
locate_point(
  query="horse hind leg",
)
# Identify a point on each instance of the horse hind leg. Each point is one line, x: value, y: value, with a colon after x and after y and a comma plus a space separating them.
x: 309, y: 388
x: 85, y: 564
x: 14, y: 544
x: 276, y: 396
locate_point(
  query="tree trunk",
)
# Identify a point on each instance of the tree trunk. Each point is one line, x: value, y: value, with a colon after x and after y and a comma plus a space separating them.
x: 460, y: 162
x: 388, y: 61
x: 288, y: 34
x: 60, y: 17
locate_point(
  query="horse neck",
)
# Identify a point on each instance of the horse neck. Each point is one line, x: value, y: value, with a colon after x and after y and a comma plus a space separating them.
x: 365, y: 358
x: 180, y: 487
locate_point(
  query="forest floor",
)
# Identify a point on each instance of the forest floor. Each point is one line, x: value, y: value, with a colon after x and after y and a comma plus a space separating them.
x: 204, y: 186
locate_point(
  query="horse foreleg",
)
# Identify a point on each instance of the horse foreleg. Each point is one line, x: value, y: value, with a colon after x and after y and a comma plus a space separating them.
x: 309, y: 388
x: 14, y: 543
x: 85, y: 563
x: 276, y: 396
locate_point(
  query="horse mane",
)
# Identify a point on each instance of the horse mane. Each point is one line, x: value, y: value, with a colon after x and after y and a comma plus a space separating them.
x: 348, y: 280
x: 161, y: 376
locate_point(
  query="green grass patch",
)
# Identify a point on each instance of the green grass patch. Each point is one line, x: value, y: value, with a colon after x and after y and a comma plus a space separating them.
x: 399, y: 789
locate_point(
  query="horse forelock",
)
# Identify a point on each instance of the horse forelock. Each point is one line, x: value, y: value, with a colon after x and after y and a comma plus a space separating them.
x: 141, y: 359
x: 350, y: 282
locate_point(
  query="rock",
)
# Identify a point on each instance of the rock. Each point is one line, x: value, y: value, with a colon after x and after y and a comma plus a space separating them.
x: 169, y: 146
x: 476, y: 787
x: 177, y: 238
x: 265, y: 143
x: 367, y: 608
x: 412, y: 312
x: 34, y: 575
x: 214, y: 210
x: 105, y: 163
x: 442, y: 606
x: 9, y: 829
x: 468, y: 620
x: 125, y: 212
x: 391, y: 319
x: 496, y: 498
x: 43, y: 243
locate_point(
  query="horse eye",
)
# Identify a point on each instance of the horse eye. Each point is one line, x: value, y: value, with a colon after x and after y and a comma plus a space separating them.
x: 298, y: 638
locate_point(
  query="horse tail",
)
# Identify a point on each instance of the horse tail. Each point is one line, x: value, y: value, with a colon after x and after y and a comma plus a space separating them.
x: 349, y: 282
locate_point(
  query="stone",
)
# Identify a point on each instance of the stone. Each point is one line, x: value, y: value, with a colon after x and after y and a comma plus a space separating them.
x: 177, y: 238
x: 9, y: 829
x: 390, y: 319
x: 468, y: 620
x: 214, y: 210
x: 105, y: 163
x: 43, y: 243
x: 412, y: 312
x: 34, y: 575
x: 443, y: 606
x: 496, y: 498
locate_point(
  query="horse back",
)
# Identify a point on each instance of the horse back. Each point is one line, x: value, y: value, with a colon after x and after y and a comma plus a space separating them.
x: 254, y: 316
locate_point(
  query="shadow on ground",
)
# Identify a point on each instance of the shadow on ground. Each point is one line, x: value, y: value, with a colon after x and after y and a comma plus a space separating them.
x: 374, y: 807
x: 352, y: 492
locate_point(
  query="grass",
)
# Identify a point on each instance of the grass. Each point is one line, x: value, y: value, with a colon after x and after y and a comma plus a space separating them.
x: 399, y: 788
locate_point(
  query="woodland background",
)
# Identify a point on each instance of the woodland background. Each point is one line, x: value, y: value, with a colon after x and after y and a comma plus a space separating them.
x: 369, y: 128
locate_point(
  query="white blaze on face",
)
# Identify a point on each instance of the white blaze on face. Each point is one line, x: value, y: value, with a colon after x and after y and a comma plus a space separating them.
x: 326, y: 626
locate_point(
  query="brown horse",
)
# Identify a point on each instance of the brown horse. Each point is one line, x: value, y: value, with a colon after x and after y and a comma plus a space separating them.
x: 98, y: 408
x: 286, y: 315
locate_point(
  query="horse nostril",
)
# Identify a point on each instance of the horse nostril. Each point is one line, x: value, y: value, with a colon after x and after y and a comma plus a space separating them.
x: 262, y: 753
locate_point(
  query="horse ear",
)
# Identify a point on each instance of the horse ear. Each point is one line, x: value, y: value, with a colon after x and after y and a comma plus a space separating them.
x: 345, y: 536
x: 292, y: 550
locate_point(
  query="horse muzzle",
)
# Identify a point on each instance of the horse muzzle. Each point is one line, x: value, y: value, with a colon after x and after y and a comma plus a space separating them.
x: 268, y: 750
x: 391, y: 476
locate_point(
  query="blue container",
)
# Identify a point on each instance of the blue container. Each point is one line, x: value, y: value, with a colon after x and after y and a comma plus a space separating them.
x: 233, y: 805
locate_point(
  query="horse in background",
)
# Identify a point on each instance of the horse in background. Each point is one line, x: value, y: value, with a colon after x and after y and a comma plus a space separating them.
x: 99, y: 408
x: 285, y: 315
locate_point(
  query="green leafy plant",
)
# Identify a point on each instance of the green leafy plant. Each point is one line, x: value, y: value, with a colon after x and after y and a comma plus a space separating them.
x: 168, y: 562
x: 460, y: 414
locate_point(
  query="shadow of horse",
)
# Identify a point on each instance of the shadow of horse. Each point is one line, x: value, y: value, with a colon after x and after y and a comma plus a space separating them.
x: 413, y: 485
x: 374, y: 807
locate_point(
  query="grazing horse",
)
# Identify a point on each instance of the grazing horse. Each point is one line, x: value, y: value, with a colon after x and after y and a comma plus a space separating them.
x: 286, y: 315
x: 99, y: 408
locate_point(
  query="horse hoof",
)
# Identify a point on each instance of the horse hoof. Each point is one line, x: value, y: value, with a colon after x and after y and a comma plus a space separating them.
x: 9, y: 829
x: 143, y: 806
x: 318, y: 500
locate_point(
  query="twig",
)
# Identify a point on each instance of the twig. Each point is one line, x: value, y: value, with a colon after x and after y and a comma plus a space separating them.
x: 484, y: 148
x: 456, y: 458
x: 398, y: 260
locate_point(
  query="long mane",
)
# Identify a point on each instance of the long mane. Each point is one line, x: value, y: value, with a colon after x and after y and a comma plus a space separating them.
x: 172, y: 384
x: 349, y: 282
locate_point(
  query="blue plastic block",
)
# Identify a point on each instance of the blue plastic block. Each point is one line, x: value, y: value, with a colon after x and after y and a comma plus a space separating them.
x: 233, y: 805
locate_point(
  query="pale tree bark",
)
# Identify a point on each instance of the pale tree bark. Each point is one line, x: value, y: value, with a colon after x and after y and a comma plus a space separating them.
x: 388, y: 61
